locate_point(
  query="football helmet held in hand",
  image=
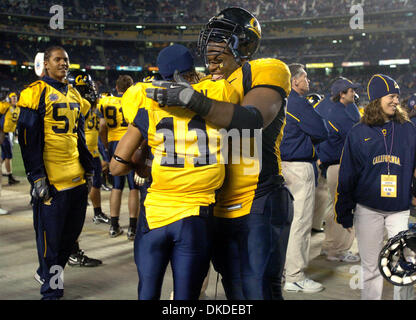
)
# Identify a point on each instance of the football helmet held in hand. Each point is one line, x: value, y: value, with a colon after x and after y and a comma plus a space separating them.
x: 82, y: 81
x: 397, y: 263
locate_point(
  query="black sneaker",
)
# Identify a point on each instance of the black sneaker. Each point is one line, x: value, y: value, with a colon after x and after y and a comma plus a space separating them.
x: 81, y: 260
x: 131, y: 233
x: 12, y: 180
x: 101, y: 218
x: 115, y: 231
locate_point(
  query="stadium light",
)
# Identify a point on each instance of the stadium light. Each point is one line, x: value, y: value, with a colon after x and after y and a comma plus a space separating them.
x: 319, y: 65
x: 129, y: 68
x: 393, y: 62
x: 139, y: 27
x: 9, y: 62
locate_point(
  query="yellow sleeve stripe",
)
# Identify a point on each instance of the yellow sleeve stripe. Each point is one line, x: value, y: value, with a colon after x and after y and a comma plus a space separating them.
x: 294, y: 116
x: 333, y: 126
x: 44, y: 238
x: 336, y: 191
x: 316, y: 104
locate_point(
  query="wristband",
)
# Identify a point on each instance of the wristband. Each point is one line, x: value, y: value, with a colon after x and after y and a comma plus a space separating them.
x: 117, y: 158
x: 247, y: 117
x: 199, y: 104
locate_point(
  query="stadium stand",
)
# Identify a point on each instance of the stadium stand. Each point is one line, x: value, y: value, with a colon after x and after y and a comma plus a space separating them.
x: 119, y: 33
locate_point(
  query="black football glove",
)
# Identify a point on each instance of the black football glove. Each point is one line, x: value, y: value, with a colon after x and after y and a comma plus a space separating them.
x: 179, y: 93
x: 41, y: 190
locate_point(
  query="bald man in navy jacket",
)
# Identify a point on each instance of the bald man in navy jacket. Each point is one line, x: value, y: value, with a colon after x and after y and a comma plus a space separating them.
x: 304, y: 128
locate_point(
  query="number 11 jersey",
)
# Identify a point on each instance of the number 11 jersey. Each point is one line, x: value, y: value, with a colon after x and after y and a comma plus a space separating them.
x: 187, y: 167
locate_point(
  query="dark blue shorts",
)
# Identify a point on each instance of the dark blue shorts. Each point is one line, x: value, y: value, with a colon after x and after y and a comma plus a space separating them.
x: 250, y: 251
x: 96, y: 180
x: 6, y: 148
x: 118, y: 182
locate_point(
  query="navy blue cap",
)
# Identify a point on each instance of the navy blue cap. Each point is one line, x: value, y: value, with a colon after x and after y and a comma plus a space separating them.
x: 175, y: 57
x: 381, y: 85
x: 411, y: 103
x: 343, y: 84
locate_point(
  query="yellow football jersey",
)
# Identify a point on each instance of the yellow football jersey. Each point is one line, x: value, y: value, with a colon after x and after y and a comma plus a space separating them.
x: 92, y: 127
x: 11, y: 115
x: 60, y: 114
x: 133, y: 99
x: 247, y: 178
x: 4, y: 106
x: 187, y: 168
x: 10, y: 119
x: 110, y: 108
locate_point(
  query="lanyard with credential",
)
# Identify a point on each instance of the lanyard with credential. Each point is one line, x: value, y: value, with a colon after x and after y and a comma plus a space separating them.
x: 391, y: 146
x: 388, y: 182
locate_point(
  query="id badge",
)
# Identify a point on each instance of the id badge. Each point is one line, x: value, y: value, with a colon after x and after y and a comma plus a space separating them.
x: 388, y: 186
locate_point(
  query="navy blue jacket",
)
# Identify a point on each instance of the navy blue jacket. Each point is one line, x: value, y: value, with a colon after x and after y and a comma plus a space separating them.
x: 323, y: 107
x: 304, y: 128
x: 363, y: 162
x: 339, y: 123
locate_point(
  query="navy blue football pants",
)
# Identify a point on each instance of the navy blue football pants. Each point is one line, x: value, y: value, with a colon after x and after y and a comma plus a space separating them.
x: 186, y: 244
x: 250, y: 251
x: 96, y: 179
x: 58, y: 225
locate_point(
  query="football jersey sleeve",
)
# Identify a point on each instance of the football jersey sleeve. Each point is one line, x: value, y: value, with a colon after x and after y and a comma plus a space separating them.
x: 3, y: 107
x: 220, y: 90
x: 85, y: 107
x: 271, y: 72
x: 132, y: 100
x: 30, y: 97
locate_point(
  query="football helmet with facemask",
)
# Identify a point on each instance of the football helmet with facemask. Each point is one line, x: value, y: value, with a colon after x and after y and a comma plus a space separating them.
x: 82, y: 81
x: 237, y: 27
x: 397, y: 263
x: 313, y: 98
